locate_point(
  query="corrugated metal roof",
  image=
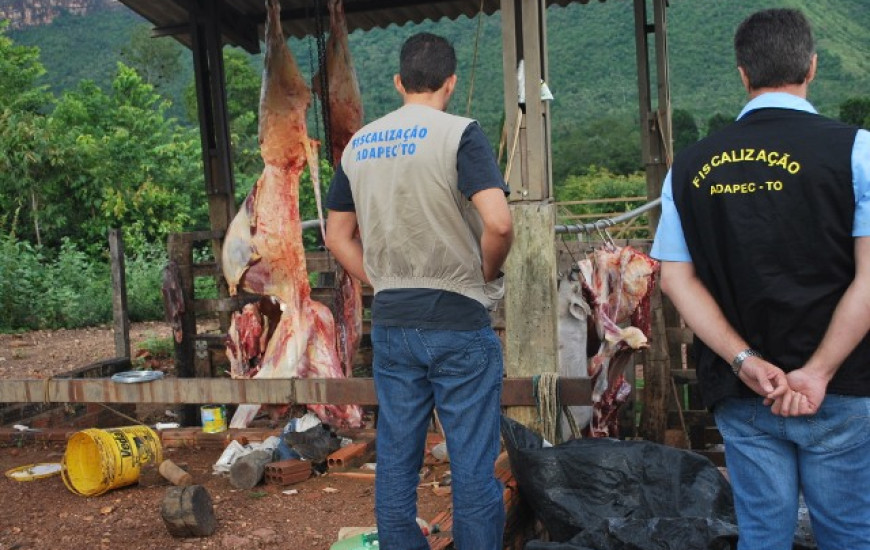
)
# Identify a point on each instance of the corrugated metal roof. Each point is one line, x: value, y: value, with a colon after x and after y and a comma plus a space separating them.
x: 242, y: 20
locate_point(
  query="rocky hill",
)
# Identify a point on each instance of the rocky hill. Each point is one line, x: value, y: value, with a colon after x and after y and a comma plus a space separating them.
x: 34, y: 13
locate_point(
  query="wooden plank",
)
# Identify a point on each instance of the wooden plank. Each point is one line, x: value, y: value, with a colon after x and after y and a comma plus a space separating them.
x: 684, y: 376
x: 319, y: 261
x: 515, y: 391
x: 207, y: 235
x: 234, y: 303
x: 572, y: 391
x: 680, y: 335
x: 210, y: 269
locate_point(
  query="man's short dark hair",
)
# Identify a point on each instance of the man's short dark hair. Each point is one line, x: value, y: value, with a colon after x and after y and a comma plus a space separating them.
x: 426, y: 61
x: 775, y: 48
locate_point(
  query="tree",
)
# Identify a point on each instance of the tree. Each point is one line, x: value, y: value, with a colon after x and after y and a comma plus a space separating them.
x: 20, y: 70
x: 157, y: 60
x: 611, y: 142
x: 137, y: 168
x: 684, y: 128
x: 26, y: 158
x: 856, y: 110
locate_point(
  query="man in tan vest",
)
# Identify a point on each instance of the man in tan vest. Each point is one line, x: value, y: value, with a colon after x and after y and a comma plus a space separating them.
x: 425, y: 192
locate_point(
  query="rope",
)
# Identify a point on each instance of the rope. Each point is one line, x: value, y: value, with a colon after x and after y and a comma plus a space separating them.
x: 572, y: 423
x: 122, y: 415
x: 513, y: 149
x: 474, y: 59
x: 545, y: 387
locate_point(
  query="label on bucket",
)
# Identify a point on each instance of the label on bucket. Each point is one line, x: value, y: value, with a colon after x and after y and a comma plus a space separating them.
x: 214, y: 418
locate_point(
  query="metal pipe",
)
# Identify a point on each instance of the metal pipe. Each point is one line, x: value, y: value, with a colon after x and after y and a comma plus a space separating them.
x: 574, y: 228
x: 605, y: 223
x: 311, y: 224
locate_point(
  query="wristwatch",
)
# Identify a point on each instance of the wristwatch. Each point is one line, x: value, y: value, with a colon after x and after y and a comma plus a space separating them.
x: 737, y: 362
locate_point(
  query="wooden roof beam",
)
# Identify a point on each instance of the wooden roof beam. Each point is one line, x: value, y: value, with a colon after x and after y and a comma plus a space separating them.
x: 236, y: 28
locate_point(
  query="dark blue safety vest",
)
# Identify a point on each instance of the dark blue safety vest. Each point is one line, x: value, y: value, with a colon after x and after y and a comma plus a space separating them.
x: 767, y: 207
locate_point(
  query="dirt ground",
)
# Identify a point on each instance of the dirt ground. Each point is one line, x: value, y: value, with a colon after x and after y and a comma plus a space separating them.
x: 46, y: 353
x: 44, y: 514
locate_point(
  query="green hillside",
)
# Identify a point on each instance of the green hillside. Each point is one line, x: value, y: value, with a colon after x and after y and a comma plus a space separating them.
x: 591, y: 54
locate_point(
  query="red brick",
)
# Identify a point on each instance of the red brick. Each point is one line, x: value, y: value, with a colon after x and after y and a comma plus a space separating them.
x: 287, y: 472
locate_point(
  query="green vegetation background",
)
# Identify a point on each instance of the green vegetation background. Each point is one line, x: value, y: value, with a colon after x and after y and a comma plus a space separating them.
x: 105, y: 136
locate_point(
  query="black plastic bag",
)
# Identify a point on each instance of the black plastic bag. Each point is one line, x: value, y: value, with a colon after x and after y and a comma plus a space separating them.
x: 314, y: 444
x: 609, y: 494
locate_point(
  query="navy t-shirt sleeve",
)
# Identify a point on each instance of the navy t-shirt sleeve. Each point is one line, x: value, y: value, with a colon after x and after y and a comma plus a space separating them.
x: 476, y: 164
x: 340, y: 197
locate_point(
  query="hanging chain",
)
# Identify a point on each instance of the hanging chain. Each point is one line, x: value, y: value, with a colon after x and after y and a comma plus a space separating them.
x: 311, y: 70
x: 324, y: 78
x: 474, y: 59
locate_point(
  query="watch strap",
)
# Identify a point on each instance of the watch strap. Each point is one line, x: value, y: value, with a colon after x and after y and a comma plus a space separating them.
x: 737, y: 362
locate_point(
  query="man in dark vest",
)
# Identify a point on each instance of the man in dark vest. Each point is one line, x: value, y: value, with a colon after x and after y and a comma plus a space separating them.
x: 765, y: 250
x: 424, y: 190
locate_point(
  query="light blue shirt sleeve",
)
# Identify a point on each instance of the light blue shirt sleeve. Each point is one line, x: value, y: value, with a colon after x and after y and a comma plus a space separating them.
x: 861, y: 183
x: 670, y: 242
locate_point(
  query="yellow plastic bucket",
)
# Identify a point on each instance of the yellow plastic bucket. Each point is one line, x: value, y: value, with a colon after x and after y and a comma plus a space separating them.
x: 97, y: 460
x: 214, y: 418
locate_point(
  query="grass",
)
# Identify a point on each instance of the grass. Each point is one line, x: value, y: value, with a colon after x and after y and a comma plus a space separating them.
x: 152, y: 350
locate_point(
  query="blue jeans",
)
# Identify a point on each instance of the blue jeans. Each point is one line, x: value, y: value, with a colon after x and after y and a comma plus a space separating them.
x: 459, y: 372
x: 771, y: 458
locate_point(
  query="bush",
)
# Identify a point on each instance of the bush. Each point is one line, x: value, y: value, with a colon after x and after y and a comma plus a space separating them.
x: 20, y: 267
x: 144, y: 283
x: 601, y: 183
x: 41, y: 289
x: 78, y: 291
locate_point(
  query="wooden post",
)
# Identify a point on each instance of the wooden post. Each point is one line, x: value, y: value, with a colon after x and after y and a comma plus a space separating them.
x: 180, y: 250
x: 657, y: 377
x: 211, y: 95
x: 524, y: 39
x: 120, y: 313
x: 530, y: 271
x: 655, y: 131
x: 657, y: 154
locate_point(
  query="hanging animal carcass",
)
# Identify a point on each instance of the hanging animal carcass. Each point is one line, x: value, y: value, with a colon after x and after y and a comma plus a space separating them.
x: 263, y: 251
x: 610, y: 292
